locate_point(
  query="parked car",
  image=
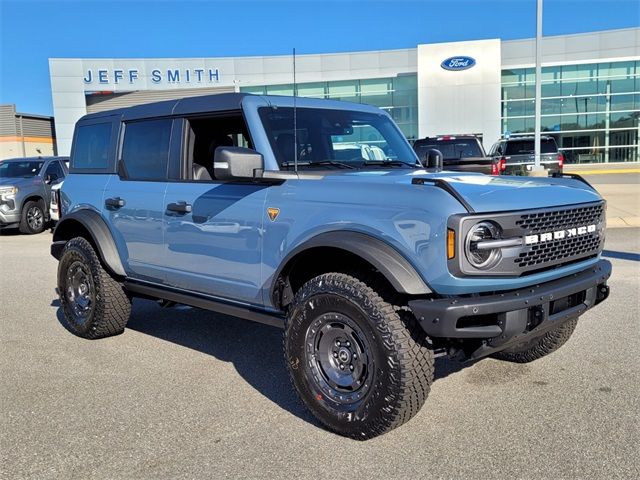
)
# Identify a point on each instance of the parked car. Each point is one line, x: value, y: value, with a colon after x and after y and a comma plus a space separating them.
x: 25, y: 191
x: 516, y: 155
x: 54, y: 206
x: 463, y: 153
x: 372, y: 267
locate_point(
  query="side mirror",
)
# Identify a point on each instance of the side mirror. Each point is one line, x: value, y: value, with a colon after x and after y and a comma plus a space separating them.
x: 433, y: 159
x: 236, y: 163
x: 51, y: 178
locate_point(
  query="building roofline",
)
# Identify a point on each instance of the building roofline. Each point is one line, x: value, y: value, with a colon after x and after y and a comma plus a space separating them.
x: 408, y: 49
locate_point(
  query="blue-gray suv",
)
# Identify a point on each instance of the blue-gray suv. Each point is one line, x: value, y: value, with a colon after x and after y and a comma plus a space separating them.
x: 267, y: 208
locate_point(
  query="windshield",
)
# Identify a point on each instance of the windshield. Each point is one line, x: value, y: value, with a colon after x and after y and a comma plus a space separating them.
x: 523, y: 147
x: 451, y: 149
x: 335, y: 138
x: 20, y: 169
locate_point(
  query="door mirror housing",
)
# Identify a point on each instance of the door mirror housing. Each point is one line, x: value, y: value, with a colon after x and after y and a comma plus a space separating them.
x: 433, y: 159
x: 51, y: 178
x: 237, y: 163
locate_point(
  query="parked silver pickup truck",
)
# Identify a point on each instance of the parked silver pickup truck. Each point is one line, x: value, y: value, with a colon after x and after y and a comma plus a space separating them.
x: 25, y: 191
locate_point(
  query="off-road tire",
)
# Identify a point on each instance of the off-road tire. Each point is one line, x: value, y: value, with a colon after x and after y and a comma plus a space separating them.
x: 27, y: 225
x: 109, y: 306
x: 402, y: 362
x: 539, y: 347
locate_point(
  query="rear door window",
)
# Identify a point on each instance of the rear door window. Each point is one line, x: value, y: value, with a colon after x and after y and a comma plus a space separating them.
x: 145, y: 149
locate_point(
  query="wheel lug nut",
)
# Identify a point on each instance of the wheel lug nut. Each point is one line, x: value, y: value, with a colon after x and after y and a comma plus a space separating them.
x: 335, y: 354
x: 348, y: 344
x: 341, y: 366
x: 355, y: 356
x: 337, y: 343
x: 351, y: 367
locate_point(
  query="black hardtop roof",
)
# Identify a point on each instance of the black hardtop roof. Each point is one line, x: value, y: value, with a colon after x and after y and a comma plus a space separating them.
x: 182, y: 106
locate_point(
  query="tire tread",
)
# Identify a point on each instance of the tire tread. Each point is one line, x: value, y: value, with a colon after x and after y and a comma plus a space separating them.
x: 410, y: 359
x: 113, y: 305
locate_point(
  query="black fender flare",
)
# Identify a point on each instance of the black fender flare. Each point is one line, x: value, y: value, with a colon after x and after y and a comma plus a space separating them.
x: 102, y: 238
x: 385, y: 258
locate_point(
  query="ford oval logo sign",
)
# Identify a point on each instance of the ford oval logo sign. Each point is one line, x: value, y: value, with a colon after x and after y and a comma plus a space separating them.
x: 458, y: 63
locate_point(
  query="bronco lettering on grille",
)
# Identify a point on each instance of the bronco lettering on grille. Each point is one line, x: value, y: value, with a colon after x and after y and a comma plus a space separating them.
x: 559, y: 234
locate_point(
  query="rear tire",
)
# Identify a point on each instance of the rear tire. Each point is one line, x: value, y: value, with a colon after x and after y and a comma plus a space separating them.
x: 94, y: 304
x: 539, y: 347
x: 32, y: 219
x: 359, y: 365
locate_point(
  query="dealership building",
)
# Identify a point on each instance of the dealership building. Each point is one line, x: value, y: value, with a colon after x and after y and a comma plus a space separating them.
x: 590, y: 87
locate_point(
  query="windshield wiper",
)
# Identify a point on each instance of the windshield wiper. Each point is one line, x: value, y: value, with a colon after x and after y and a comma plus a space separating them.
x: 395, y: 163
x: 318, y: 162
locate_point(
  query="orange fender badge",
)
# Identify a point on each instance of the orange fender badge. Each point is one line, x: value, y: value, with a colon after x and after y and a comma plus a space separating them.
x: 273, y: 213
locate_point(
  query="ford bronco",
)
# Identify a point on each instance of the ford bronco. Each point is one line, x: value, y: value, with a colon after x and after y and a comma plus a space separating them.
x: 373, y: 265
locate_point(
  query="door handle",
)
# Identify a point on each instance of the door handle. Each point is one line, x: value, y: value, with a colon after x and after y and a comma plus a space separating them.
x: 179, y: 207
x: 116, y: 202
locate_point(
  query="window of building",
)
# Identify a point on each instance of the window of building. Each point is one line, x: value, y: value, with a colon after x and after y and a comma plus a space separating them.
x: 145, y: 149
x: 91, y: 147
x: 584, y: 106
x: 396, y: 95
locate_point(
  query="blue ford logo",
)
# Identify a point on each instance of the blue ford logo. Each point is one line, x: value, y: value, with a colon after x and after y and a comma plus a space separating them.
x: 458, y: 63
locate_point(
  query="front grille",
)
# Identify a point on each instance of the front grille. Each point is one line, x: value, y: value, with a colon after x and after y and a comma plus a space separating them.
x: 560, y: 219
x: 565, y: 250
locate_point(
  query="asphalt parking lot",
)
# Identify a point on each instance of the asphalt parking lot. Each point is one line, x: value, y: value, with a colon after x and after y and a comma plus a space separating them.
x: 185, y: 393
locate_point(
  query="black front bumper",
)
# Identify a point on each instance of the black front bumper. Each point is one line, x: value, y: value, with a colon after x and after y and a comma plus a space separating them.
x: 500, y: 320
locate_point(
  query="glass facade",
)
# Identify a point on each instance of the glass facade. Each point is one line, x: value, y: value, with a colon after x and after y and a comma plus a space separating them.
x: 397, y: 95
x: 592, y: 110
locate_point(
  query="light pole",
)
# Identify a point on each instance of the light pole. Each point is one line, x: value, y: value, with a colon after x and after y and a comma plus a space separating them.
x: 537, y: 169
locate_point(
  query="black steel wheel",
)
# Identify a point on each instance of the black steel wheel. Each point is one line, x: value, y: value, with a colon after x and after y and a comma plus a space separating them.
x: 80, y: 293
x: 94, y: 303
x: 341, y: 362
x: 361, y: 366
x: 33, y: 217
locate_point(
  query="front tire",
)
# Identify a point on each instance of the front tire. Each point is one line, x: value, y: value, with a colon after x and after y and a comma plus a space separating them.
x: 539, y: 347
x: 359, y: 365
x: 94, y: 304
x: 32, y: 219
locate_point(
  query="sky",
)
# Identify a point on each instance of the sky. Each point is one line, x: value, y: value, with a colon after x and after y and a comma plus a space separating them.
x: 31, y: 32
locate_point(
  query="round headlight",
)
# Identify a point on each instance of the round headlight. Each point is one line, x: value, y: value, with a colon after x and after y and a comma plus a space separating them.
x: 482, y: 258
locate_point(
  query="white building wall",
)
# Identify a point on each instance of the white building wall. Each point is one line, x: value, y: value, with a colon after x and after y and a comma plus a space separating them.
x: 459, y: 101
x: 448, y: 101
x: 611, y: 45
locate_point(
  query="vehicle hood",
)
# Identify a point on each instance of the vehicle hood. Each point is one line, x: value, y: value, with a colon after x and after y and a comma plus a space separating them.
x: 505, y: 193
x: 18, y: 181
x: 485, y: 193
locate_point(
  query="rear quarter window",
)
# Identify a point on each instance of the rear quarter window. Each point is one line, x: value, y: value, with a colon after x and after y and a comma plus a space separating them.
x: 92, y: 148
x: 145, y: 149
